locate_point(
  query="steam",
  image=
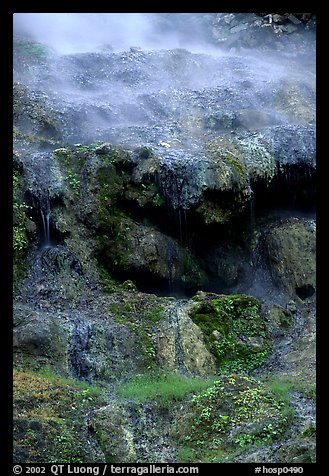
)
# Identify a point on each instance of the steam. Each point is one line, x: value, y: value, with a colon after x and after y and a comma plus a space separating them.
x: 134, y: 98
x: 81, y: 32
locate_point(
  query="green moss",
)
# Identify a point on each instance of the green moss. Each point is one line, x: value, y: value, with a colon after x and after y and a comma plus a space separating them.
x: 20, y: 236
x: 193, y: 275
x: 237, y: 165
x: 72, y: 166
x: 113, y: 248
x: 233, y: 330
x: 309, y: 432
x: 72, y: 162
x: 114, y: 225
x: 141, y: 315
x: 283, y: 385
x: 31, y: 51
x: 49, y: 416
x: 213, y: 212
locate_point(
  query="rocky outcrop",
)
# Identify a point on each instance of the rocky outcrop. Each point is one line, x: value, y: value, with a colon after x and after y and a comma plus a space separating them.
x: 130, y: 432
x: 266, y: 31
x: 77, y: 344
x: 159, y: 257
x: 180, y: 344
x: 200, y: 151
x: 33, y: 115
x: 289, y: 250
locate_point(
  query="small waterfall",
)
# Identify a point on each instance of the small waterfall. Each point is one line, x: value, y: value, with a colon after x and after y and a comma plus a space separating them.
x: 183, y: 231
x: 174, y: 317
x: 45, y: 216
x: 171, y: 258
x: 44, y: 207
x: 179, y: 349
x: 252, y: 209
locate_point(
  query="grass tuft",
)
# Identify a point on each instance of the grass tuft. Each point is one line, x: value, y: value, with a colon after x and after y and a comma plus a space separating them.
x: 164, y: 388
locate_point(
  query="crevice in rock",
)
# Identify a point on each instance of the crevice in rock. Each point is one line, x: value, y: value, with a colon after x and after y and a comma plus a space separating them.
x: 305, y: 291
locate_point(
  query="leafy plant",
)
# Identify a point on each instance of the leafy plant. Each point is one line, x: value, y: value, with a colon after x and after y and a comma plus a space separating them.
x: 236, y: 411
x: 74, y: 182
x: 233, y: 330
x: 20, y: 237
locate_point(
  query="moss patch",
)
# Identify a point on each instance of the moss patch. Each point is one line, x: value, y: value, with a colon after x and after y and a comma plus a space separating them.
x: 141, y: 313
x: 72, y: 162
x: 49, y: 414
x: 20, y: 234
x: 233, y: 330
x: 281, y: 385
x: 30, y: 51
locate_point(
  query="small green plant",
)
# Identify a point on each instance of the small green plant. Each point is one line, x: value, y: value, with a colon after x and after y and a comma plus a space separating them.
x: 74, y: 182
x: 20, y: 236
x: 236, y: 411
x: 309, y: 432
x: 157, y: 200
x: 233, y: 330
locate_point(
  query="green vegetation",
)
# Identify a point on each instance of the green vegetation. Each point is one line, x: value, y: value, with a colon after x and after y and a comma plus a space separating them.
x: 90, y: 391
x: 163, y: 388
x: 74, y: 183
x: 31, y: 51
x: 20, y: 237
x: 158, y: 200
x: 309, y: 432
x: 73, y: 163
x: 233, y: 330
x: 213, y: 211
x: 236, y: 412
x: 142, y: 317
x: 114, y: 225
x: 282, y: 385
x: 192, y: 272
x: 49, y: 413
x: 237, y: 165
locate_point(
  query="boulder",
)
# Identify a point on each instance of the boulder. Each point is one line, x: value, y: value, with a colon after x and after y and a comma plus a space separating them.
x: 180, y: 344
x: 156, y: 255
x: 290, y: 253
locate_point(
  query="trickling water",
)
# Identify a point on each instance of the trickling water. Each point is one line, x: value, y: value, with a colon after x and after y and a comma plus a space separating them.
x: 252, y: 209
x: 45, y: 215
x: 179, y: 354
x: 44, y: 205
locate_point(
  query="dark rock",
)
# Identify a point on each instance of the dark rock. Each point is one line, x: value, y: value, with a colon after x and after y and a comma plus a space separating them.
x: 279, y: 320
x: 293, y: 19
x: 160, y: 257
x: 290, y: 253
x: 40, y: 338
x: 59, y: 259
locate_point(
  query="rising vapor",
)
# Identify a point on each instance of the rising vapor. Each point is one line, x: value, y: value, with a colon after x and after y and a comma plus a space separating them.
x: 81, y: 32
